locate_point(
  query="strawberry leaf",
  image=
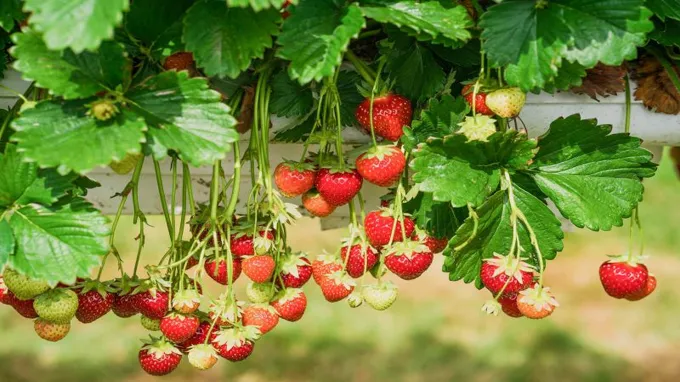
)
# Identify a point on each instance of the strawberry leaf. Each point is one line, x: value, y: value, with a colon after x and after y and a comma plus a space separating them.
x: 592, y: 176
x: 184, y: 115
x: 570, y: 74
x: 350, y: 98
x: 67, y: 74
x: 664, y: 8
x: 532, y: 39
x: 59, y: 244
x: 75, y: 24
x: 10, y: 11
x: 467, y: 249
x: 440, y: 118
x: 51, y: 132
x: 257, y: 5
x: 436, y: 218
x: 428, y: 20
x: 157, y: 26
x: 225, y: 40
x: 290, y: 99
x: 667, y: 33
x: 316, y: 35
x: 6, y: 241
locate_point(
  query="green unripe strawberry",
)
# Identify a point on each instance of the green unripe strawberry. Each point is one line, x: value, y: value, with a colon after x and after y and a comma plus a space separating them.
x: 151, y: 324
x: 380, y: 297
x: 57, y: 305
x: 506, y: 103
x: 259, y: 292
x: 103, y: 109
x: 23, y: 287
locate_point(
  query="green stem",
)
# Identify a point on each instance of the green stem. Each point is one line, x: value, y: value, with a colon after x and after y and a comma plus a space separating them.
x: 237, y: 183
x: 364, y: 71
x: 628, y: 104
x: 214, y: 191
x: 190, y: 188
x: 138, y: 215
x: 16, y: 93
x: 164, y: 202
x: 370, y: 33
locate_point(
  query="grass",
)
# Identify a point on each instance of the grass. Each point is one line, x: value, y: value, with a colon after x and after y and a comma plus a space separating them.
x: 435, y: 331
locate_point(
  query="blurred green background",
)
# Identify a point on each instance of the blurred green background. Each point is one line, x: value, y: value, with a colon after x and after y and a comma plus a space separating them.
x: 434, y: 332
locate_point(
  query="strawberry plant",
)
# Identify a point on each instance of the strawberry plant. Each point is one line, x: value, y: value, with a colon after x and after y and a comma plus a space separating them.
x: 436, y: 88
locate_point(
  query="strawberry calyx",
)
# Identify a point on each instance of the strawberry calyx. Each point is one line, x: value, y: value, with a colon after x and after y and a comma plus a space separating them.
x: 159, y: 347
x: 539, y: 297
x: 233, y: 337
x: 633, y: 261
x: 477, y: 128
x: 103, y: 288
x: 408, y: 248
x: 381, y: 151
x: 355, y: 300
x: 511, y: 266
x: 288, y: 294
x: 299, y: 166
x: 293, y: 261
x: 185, y: 299
x: 341, y: 278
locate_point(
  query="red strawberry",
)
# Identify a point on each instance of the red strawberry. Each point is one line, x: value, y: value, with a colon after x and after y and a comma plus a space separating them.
x: 336, y: 286
x: 536, y: 302
x: 234, y: 344
x: 480, y: 100
x: 509, y: 305
x: 316, y: 205
x: 179, y: 61
x: 498, y: 270
x: 264, y: 317
x: 644, y: 292
x: 621, y: 278
x: 192, y: 262
x: 179, y: 328
x: 242, y: 243
x: 23, y: 307
x: 436, y: 245
x: 295, y: 271
x: 323, y: 266
x: 391, y: 113
x: 3, y: 292
x: 285, y: 14
x: 93, y: 305
x: 294, y: 178
x: 381, y: 165
x: 153, y: 303
x: 291, y: 304
x: 124, y: 306
x: 159, y: 358
x: 198, y: 338
x: 259, y: 268
x: 408, y: 259
x: 338, y: 187
x: 217, y: 270
x: 361, y: 259
x: 379, y: 225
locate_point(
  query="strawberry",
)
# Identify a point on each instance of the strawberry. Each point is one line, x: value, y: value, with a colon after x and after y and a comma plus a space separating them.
x: 359, y: 258
x: 153, y: 303
x: 284, y: 9
x: 381, y: 165
x: 621, y: 278
x: 338, y: 187
x: 506, y: 102
x: 259, y: 268
x: 290, y: 304
x: 3, y: 292
x: 217, y: 270
x: 93, y: 304
x: 644, y: 292
x: 262, y: 316
x: 293, y: 178
x: 259, y: 292
x: 179, y: 328
x: 336, y: 286
x: 179, y: 61
x: 496, y: 272
x: 242, y: 243
x: 51, y: 331
x: 124, y: 305
x: 159, y: 357
x: 57, y: 305
x: 380, y: 296
x: 536, y: 302
x: 295, y: 271
x: 509, y: 305
x: 192, y: 262
x: 23, y: 307
x: 24, y: 287
x: 202, y: 333
x: 316, y: 205
x: 186, y: 301
x: 391, y: 113
x: 436, y: 245
x: 480, y: 106
x: 323, y: 266
x: 379, y: 225
x: 408, y: 259
x: 354, y: 300
x: 202, y: 356
x: 150, y: 324
x: 234, y: 344
x: 226, y: 312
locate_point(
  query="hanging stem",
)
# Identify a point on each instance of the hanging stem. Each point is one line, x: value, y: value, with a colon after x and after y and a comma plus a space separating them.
x: 164, y: 202
x: 138, y: 215
x: 364, y: 70
x: 628, y: 104
x: 190, y: 189
x: 235, y: 188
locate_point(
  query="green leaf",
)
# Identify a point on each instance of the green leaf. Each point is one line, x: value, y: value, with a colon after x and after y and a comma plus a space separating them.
x: 67, y: 74
x: 76, y: 24
x: 297, y: 131
x: 664, y: 8
x: 428, y: 20
x: 257, y: 5
x: 225, y: 40
x: 412, y: 65
x: 58, y: 245
x: 440, y: 118
x: 532, y: 41
x: 53, y: 131
x: 157, y: 26
x: 469, y: 247
x: 184, y: 115
x: 316, y: 35
x: 570, y: 74
x: 6, y: 242
x: 667, y: 33
x: 10, y: 11
x: 290, y: 99
x: 350, y: 98
x: 466, y: 56
x: 592, y: 176
x: 436, y: 218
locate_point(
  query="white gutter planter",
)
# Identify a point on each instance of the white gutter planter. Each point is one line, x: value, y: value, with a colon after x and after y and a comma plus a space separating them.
x: 655, y: 129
